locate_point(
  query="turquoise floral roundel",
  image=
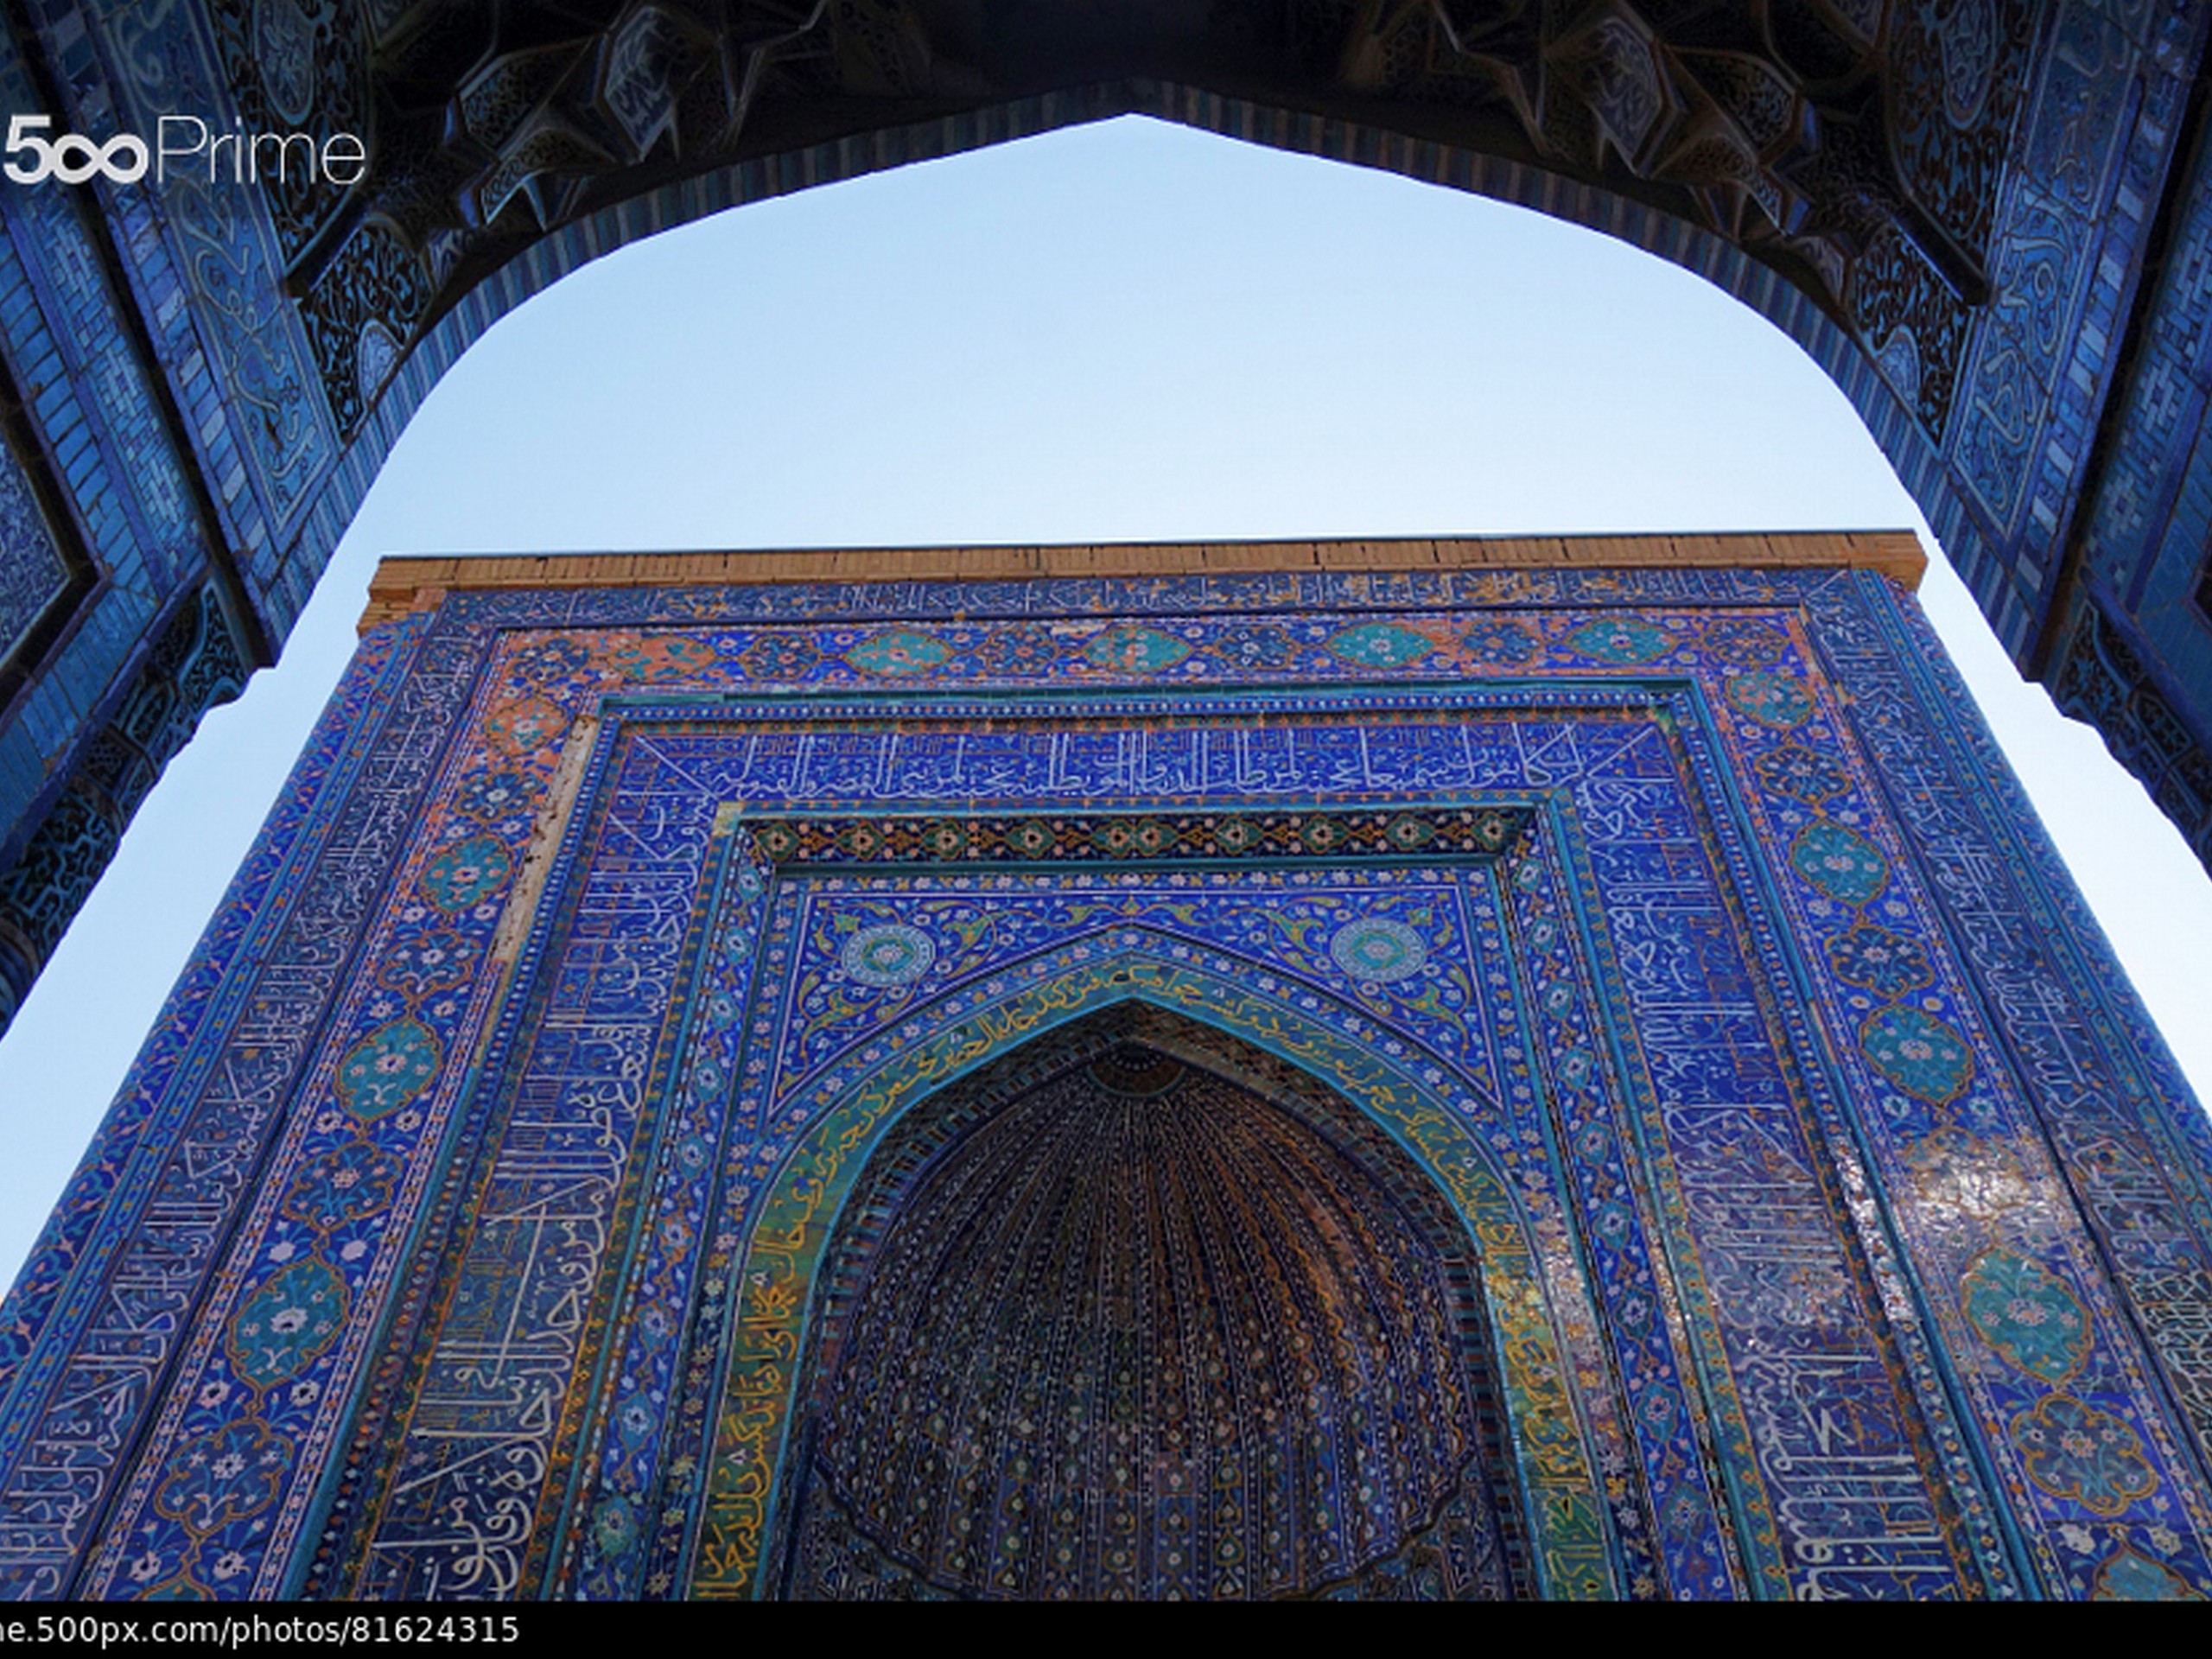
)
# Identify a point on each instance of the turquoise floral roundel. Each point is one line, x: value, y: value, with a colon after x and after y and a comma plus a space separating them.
x: 1620, y: 640
x: 1919, y: 1053
x: 388, y: 1068
x: 1379, y: 644
x: 898, y: 653
x: 1136, y: 650
x: 467, y: 874
x: 888, y: 955
x: 290, y: 1320
x: 1839, y: 861
x: 1378, y: 950
x: 2027, y: 1313
x: 2126, y: 1575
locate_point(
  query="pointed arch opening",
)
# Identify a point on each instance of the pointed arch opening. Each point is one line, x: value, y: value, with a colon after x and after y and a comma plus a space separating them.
x: 1140, y: 1312
x: 787, y: 1267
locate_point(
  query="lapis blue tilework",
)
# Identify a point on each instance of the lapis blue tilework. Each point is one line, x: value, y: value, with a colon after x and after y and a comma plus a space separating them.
x: 1843, y: 1228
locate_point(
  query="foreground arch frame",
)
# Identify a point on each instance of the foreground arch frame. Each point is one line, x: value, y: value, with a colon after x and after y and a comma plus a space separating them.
x: 457, y: 1233
x: 1990, y: 237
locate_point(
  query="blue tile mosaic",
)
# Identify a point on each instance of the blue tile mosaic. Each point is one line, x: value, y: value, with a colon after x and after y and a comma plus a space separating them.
x: 622, y: 961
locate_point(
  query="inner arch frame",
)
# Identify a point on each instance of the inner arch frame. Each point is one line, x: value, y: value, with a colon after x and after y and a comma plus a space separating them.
x: 788, y: 1236
x: 939, y: 1135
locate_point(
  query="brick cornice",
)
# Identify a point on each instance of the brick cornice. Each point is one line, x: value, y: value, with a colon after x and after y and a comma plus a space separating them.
x: 403, y: 585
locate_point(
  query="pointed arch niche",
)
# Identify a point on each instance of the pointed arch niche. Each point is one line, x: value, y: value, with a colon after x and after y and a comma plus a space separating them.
x: 1139, y: 1311
x: 1107, y: 1295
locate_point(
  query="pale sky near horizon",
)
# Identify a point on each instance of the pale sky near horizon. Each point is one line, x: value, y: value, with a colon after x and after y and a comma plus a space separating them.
x: 1124, y: 332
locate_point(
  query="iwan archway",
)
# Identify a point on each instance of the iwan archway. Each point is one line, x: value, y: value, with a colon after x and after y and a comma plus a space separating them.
x: 1404, y: 1425
x: 1136, y: 1312
x: 1977, y: 219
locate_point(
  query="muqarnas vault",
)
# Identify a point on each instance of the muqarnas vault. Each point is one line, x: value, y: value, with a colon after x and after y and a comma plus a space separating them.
x: 1448, y: 1070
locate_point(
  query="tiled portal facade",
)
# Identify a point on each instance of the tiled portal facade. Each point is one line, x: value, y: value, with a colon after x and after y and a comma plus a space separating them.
x: 1567, y: 1070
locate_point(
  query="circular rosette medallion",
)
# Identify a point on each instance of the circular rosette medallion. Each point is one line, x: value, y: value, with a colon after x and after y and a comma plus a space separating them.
x: 1378, y: 950
x: 1379, y: 644
x: 388, y: 1068
x: 888, y: 954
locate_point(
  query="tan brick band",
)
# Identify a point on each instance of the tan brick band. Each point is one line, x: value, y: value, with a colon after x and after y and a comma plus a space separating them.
x: 407, y: 584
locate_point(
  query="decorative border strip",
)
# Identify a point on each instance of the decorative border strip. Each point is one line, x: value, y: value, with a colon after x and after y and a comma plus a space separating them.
x: 1132, y: 837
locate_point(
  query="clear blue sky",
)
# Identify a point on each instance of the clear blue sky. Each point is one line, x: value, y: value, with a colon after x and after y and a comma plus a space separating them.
x: 1121, y: 332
